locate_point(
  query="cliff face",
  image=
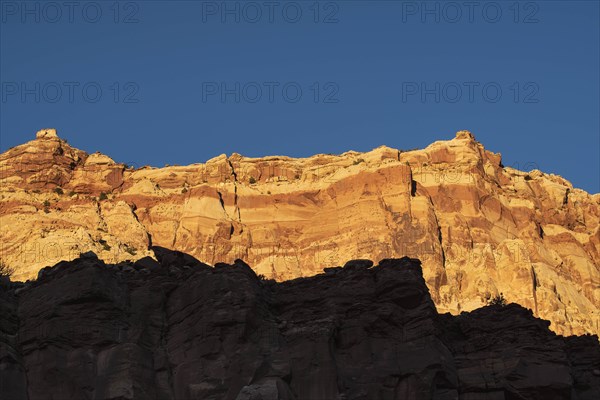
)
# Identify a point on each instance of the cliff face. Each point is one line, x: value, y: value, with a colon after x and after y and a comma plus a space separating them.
x: 179, y: 329
x: 479, y: 228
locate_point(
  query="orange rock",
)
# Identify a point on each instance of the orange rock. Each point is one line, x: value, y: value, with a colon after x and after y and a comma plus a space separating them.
x: 479, y: 228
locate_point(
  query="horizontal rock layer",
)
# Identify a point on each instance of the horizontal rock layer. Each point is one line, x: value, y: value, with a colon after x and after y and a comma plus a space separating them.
x: 480, y: 228
x: 180, y: 329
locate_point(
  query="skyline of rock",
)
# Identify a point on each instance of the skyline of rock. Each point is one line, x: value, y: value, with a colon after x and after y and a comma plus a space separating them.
x: 480, y: 228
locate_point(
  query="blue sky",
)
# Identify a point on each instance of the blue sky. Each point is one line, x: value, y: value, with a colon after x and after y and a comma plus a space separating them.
x: 177, y: 82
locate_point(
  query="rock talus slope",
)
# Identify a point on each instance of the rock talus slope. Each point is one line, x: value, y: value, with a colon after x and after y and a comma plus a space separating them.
x: 480, y: 228
x: 179, y: 329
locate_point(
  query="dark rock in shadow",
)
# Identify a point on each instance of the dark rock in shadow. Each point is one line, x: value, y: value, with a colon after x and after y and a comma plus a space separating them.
x: 179, y: 329
x: 172, y: 258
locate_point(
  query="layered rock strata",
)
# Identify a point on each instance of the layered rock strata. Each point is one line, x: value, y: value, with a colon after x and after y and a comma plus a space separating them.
x: 479, y: 227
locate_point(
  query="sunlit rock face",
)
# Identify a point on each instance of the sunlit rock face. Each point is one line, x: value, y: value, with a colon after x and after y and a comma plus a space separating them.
x: 480, y: 228
x: 178, y: 329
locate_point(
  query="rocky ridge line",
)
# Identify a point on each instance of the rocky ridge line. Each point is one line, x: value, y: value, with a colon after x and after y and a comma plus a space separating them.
x: 479, y: 227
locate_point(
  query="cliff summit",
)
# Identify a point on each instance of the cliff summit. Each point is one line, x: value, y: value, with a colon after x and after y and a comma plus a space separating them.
x: 479, y: 227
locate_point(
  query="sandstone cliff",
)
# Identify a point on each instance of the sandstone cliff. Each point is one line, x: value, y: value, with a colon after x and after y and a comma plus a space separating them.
x: 180, y: 329
x: 479, y: 228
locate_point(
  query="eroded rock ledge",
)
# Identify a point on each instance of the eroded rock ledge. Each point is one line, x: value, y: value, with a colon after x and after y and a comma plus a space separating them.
x: 479, y: 227
x: 180, y: 329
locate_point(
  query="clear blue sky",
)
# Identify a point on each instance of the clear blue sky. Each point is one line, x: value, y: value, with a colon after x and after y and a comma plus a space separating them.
x: 184, y: 81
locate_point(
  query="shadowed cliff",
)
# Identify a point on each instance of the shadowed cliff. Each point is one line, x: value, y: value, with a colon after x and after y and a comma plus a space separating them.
x: 180, y: 329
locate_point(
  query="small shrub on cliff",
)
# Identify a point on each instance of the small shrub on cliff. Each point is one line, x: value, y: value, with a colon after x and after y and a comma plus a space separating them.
x: 58, y: 191
x: 130, y: 250
x: 252, y: 180
x: 497, y: 300
x: 5, y: 270
x: 103, y: 196
x: 105, y: 246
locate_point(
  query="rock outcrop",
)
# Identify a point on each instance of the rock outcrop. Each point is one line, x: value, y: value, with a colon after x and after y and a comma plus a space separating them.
x: 179, y: 329
x: 480, y: 228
